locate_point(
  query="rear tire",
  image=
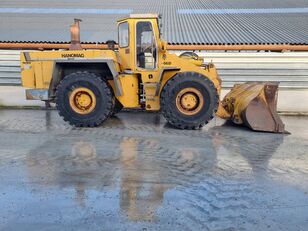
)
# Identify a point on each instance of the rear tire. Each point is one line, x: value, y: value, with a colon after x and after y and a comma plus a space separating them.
x: 189, y: 100
x: 84, y: 99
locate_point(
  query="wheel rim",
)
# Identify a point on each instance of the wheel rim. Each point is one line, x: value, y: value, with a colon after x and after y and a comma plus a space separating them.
x: 189, y: 101
x: 82, y: 100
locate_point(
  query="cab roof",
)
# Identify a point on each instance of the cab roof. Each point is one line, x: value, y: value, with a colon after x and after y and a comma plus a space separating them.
x: 140, y: 16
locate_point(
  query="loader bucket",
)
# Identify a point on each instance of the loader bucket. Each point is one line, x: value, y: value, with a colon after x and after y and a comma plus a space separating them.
x: 254, y: 105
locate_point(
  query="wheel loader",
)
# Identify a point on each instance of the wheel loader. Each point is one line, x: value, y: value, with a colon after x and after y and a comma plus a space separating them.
x: 89, y: 86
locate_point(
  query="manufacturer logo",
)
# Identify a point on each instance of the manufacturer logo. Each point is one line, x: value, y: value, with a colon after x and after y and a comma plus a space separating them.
x: 72, y: 55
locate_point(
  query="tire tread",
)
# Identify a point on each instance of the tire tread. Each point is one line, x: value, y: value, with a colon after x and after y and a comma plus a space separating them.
x: 104, y: 87
x: 167, y: 111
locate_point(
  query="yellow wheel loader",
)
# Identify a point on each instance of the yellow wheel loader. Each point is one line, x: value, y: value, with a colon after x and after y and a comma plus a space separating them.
x: 89, y: 86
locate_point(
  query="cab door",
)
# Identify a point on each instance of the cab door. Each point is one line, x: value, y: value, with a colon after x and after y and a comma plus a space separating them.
x: 146, y: 59
x: 126, y: 45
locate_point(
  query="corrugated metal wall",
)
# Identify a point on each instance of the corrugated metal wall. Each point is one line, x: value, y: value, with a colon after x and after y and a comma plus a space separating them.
x: 184, y: 21
x: 289, y: 68
x: 9, y: 68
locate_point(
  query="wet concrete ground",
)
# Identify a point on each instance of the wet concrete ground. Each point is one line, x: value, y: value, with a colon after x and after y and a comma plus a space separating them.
x: 136, y: 173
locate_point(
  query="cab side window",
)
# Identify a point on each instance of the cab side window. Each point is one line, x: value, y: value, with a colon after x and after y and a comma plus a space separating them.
x: 123, y: 34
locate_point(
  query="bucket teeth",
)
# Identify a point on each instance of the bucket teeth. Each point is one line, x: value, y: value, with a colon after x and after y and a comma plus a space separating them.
x: 255, y: 106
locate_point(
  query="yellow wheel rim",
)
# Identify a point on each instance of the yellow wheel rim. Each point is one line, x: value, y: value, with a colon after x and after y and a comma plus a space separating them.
x: 189, y: 101
x: 82, y: 100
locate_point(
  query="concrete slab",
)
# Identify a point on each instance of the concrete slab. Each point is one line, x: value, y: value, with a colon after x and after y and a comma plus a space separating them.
x: 136, y: 173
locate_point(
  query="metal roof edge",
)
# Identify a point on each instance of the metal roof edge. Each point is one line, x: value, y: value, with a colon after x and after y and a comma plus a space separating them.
x: 46, y: 45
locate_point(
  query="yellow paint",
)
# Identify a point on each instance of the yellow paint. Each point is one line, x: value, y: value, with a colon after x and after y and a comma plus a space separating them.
x: 130, y: 97
x: 126, y: 54
x: 27, y: 73
x: 237, y: 100
x: 189, y: 101
x: 82, y: 100
x: 41, y: 67
x: 41, y: 64
x: 38, y: 74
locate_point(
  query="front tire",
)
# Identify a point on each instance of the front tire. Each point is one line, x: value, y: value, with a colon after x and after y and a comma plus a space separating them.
x: 84, y: 99
x: 189, y: 100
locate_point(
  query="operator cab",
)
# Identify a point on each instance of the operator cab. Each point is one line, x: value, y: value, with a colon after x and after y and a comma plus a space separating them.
x: 138, y: 42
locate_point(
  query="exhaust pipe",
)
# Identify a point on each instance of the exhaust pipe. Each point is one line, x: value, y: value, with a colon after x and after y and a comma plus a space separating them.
x: 75, y: 35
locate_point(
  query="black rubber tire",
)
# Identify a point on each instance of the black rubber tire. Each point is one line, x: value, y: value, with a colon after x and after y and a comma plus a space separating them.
x: 117, y: 107
x: 174, y: 86
x: 100, y: 88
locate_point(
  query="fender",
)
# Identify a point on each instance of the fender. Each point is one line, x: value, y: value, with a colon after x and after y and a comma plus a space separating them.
x: 57, y: 66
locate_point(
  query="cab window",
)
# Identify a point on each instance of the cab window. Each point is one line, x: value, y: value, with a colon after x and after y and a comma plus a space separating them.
x: 123, y: 34
x: 146, y: 48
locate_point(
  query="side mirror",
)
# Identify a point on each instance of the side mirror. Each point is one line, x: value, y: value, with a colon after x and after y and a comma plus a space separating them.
x: 163, y: 46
